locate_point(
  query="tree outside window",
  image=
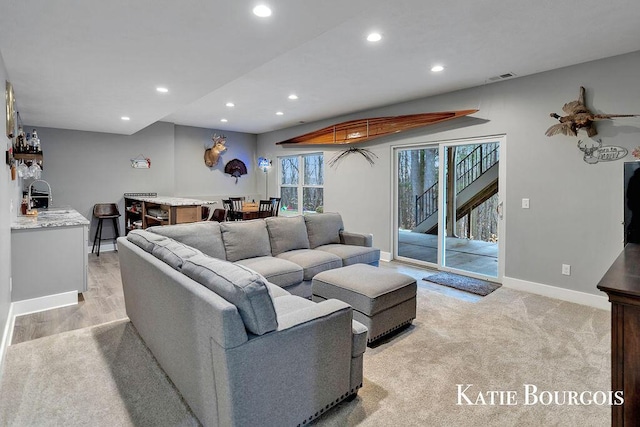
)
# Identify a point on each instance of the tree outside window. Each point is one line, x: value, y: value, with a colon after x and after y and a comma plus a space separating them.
x: 301, y: 180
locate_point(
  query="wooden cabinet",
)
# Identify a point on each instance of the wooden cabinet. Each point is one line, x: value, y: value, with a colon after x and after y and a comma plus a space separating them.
x: 622, y: 284
x: 147, y: 211
x: 132, y: 214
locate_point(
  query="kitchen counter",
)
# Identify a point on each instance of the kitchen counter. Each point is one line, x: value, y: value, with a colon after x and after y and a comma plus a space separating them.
x: 142, y: 211
x: 171, y: 201
x: 53, y: 217
x: 49, y: 254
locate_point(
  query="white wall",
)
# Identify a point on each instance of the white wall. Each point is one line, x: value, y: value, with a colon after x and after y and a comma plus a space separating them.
x: 6, y: 194
x: 85, y: 168
x: 576, y: 208
x: 195, y: 179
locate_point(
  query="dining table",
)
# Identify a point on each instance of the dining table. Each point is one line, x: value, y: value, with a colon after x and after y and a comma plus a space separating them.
x: 250, y: 210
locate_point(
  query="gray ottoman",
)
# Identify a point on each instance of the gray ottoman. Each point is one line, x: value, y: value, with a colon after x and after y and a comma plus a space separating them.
x: 382, y: 300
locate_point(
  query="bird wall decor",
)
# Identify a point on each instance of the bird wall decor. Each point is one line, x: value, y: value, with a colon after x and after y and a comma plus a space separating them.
x: 235, y: 168
x: 579, y: 117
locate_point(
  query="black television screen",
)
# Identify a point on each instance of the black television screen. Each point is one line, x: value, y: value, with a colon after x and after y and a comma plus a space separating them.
x: 631, y: 202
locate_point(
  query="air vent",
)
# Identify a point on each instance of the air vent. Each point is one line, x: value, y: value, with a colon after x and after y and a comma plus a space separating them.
x: 502, y: 77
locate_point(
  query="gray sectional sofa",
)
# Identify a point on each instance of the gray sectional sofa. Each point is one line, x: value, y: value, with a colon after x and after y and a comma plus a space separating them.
x: 287, y: 251
x: 241, y: 350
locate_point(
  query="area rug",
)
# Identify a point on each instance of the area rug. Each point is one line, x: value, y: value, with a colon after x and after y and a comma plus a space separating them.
x: 463, y: 283
x: 106, y: 376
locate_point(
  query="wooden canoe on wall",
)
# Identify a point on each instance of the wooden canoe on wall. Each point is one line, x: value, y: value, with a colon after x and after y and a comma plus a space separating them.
x: 362, y: 130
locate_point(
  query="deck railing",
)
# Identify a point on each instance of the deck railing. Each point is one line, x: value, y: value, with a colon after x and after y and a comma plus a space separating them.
x: 468, y: 170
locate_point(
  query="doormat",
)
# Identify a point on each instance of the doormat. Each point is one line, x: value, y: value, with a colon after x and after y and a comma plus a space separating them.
x: 468, y: 284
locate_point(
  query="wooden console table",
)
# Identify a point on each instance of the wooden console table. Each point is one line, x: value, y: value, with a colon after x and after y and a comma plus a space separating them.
x: 622, y: 284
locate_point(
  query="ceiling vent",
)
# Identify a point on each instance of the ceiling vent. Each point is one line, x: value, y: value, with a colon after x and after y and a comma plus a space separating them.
x: 502, y: 77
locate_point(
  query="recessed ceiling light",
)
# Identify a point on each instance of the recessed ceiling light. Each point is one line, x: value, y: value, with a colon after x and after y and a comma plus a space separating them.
x: 125, y: 118
x: 162, y: 89
x: 293, y: 96
x: 262, y: 11
x: 224, y: 120
x: 279, y: 113
x: 437, y: 68
x: 374, y: 37
x: 230, y: 104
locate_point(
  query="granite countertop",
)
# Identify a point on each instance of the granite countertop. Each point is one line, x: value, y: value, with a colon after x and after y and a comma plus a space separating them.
x: 47, y: 218
x: 172, y: 201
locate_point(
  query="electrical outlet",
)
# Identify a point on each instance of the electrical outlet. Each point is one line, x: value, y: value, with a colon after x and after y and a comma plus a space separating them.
x: 566, y: 269
x: 525, y: 203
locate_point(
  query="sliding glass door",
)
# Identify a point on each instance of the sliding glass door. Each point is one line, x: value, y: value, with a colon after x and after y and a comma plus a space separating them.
x: 417, y: 230
x: 449, y: 211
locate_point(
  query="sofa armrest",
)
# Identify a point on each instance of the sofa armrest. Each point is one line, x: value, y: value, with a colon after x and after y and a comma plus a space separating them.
x: 308, y: 314
x: 357, y: 239
x: 302, y: 368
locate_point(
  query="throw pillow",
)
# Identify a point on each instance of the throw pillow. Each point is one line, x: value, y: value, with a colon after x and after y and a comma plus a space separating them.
x: 240, y: 286
x: 287, y: 233
x: 245, y: 239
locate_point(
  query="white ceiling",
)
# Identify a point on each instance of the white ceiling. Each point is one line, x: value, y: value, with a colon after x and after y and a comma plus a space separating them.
x: 83, y: 65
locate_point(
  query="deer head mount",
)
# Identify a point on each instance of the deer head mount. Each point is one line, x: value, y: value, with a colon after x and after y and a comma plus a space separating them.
x: 213, y: 150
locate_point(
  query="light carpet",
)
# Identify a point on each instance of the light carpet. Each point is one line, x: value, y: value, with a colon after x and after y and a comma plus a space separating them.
x: 105, y: 375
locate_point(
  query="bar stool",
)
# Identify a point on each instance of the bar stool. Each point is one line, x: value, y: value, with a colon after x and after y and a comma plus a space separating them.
x: 105, y: 211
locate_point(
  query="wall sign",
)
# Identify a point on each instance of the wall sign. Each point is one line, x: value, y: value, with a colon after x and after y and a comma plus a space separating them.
x: 141, y: 162
x: 595, y: 152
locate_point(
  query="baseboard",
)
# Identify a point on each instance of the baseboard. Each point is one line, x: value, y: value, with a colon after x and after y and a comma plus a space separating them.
x: 385, y: 256
x: 48, y: 302
x: 34, y: 305
x: 110, y: 246
x: 569, y: 295
x: 7, y: 336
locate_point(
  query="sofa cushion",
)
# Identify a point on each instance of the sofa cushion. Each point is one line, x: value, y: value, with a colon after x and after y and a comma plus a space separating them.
x: 289, y: 303
x: 276, y: 291
x: 242, y: 287
x: 323, y: 228
x: 277, y: 271
x: 204, y: 236
x: 287, y: 233
x: 146, y: 240
x: 174, y: 253
x: 312, y: 261
x: 351, y: 254
x: 245, y: 239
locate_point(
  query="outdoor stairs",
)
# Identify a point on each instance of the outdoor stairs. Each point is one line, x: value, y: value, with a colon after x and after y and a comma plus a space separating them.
x: 477, y: 181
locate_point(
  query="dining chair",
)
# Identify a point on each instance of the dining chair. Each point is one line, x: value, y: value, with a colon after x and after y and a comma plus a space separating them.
x: 265, y: 209
x: 275, y: 206
x: 228, y: 207
x: 236, y: 208
x: 207, y: 211
x: 219, y: 215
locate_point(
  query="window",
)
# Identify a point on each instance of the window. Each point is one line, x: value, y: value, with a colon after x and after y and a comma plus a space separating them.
x: 301, y: 179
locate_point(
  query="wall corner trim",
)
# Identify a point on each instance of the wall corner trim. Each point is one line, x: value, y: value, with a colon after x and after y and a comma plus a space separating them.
x: 385, y: 256
x: 7, y: 335
x: 568, y: 295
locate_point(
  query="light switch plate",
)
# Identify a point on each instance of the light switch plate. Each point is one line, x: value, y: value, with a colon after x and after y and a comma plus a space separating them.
x: 566, y: 269
x: 525, y: 203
